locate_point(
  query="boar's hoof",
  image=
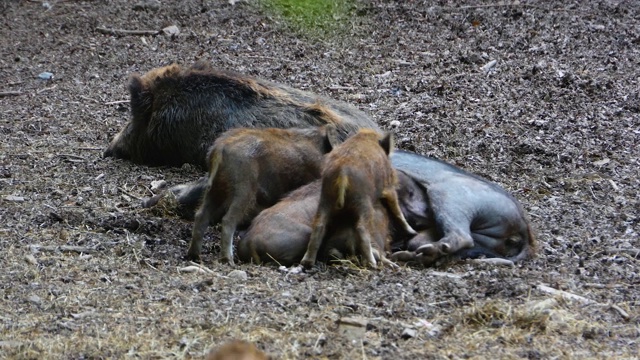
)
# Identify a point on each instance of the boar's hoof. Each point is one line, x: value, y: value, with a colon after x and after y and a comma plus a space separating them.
x: 428, y: 260
x: 403, y: 256
x: 428, y: 250
x: 445, y: 248
x: 151, y: 201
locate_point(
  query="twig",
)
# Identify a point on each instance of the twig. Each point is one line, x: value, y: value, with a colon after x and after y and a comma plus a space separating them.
x: 514, y: 4
x: 10, y: 93
x: 206, y: 269
x: 46, y: 89
x: 622, y: 313
x: 90, y: 148
x: 129, y: 194
x: 487, y: 6
x: 274, y: 259
x: 69, y: 157
x: 444, y: 274
x: 584, y: 300
x: 339, y: 87
x: 90, y: 99
x: 564, y: 294
x: 315, y: 346
x: 64, y: 248
x: 630, y: 251
x: 192, y: 269
x: 269, y: 58
x: 103, y: 30
x: 116, y: 102
x: 495, y: 262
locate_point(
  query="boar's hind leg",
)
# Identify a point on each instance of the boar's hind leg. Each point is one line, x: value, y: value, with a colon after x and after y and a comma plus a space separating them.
x: 455, y: 231
x: 390, y: 197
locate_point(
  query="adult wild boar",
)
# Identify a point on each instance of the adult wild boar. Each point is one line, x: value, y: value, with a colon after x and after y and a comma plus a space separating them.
x: 178, y: 112
x: 356, y: 176
x: 250, y: 170
x: 458, y: 213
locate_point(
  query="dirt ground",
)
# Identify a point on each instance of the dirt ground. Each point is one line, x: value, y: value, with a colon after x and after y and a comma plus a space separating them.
x: 541, y: 97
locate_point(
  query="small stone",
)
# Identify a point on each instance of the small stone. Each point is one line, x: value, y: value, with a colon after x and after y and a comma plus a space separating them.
x: 394, y: 124
x: 45, y: 75
x: 158, y: 184
x: 153, y: 5
x: 35, y: 299
x: 489, y: 66
x: 14, y: 198
x: 171, y: 30
x: 238, y: 275
x: 31, y: 259
x: 408, y: 333
x: 352, y: 328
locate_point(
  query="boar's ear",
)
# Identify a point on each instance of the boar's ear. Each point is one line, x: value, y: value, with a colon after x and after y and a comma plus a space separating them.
x: 331, y: 137
x: 141, y: 98
x: 386, y: 142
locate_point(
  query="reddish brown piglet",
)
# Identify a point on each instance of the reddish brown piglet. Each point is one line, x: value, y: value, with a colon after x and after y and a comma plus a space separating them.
x: 250, y: 170
x: 356, y: 176
x: 236, y: 350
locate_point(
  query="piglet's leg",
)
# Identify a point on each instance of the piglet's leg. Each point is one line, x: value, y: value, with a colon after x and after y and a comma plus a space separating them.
x: 200, y: 224
x: 364, y: 238
x: 379, y: 255
x: 390, y: 197
x: 317, y: 235
x: 239, y: 208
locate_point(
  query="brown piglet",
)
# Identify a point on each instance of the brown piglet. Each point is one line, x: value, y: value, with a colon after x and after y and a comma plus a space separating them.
x: 236, y: 350
x: 250, y: 170
x: 356, y: 176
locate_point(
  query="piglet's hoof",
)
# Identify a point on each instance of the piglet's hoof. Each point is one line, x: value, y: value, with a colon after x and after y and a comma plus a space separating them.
x: 389, y: 263
x: 227, y: 260
x: 307, y: 264
x: 192, y: 257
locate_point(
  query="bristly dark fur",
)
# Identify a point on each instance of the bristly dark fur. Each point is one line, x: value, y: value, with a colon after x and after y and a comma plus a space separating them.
x: 177, y: 113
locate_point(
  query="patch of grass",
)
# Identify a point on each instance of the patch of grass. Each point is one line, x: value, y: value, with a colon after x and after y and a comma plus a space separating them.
x: 314, y: 18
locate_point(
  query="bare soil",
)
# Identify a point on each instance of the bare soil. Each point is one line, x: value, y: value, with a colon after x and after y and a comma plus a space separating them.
x: 555, y: 120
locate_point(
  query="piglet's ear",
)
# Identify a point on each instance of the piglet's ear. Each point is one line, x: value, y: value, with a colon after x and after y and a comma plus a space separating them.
x: 332, y: 138
x: 386, y: 142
